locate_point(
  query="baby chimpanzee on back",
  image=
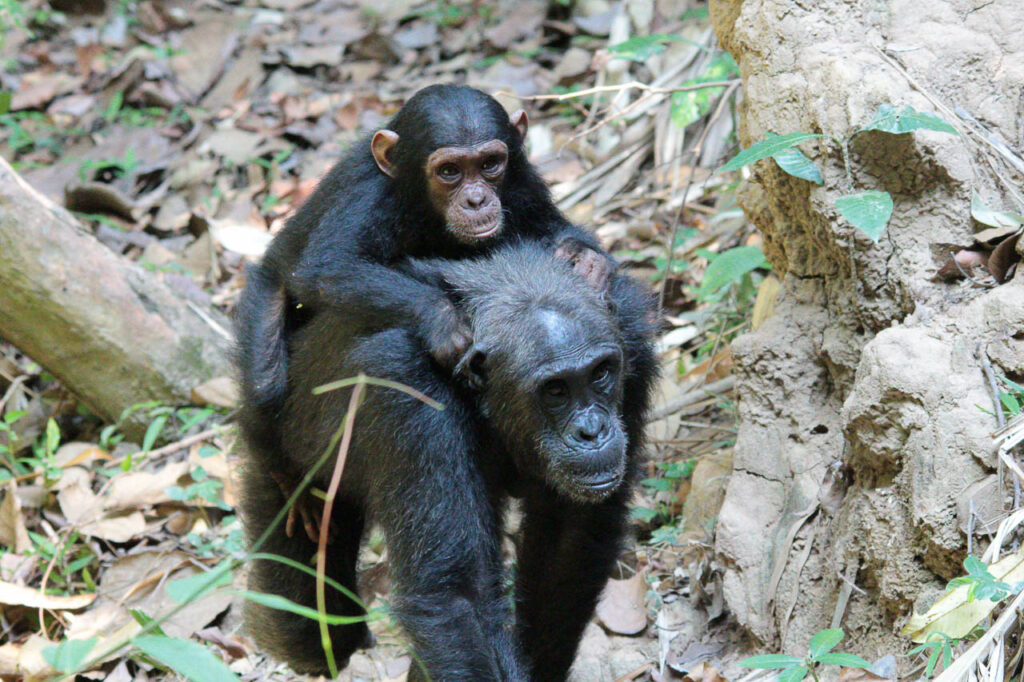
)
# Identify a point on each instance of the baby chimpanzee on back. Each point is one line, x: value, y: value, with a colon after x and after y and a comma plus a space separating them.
x: 548, y: 405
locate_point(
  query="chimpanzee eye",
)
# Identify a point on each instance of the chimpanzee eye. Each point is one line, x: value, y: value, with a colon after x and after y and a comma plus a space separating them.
x: 555, y: 388
x: 448, y: 171
x: 602, y: 372
x: 491, y: 165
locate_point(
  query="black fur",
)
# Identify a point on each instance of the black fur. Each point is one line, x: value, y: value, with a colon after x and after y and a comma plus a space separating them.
x: 437, y: 481
x: 340, y: 249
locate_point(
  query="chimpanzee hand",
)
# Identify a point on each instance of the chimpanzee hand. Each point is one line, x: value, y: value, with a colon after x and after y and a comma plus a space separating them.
x: 446, y: 333
x: 307, y: 508
x: 594, y: 266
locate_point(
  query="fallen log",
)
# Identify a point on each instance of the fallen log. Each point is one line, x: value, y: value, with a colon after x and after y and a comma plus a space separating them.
x: 114, y: 334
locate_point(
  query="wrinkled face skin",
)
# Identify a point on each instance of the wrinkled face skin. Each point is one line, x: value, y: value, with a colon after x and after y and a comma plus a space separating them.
x: 564, y: 410
x: 463, y: 184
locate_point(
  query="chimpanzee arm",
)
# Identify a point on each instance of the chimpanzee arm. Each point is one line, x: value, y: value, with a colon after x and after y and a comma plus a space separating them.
x: 566, y: 554
x: 440, y: 522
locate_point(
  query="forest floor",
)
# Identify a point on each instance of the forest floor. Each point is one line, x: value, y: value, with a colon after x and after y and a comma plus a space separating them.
x: 183, y: 135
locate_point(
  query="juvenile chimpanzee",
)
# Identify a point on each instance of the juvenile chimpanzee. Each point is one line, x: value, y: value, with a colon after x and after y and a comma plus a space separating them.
x: 547, y: 405
x: 448, y: 178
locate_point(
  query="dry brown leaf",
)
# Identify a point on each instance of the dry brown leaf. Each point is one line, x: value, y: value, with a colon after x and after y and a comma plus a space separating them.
x: 39, y: 87
x: 75, y: 452
x: 966, y: 259
x: 31, y: 663
x: 9, y: 659
x: 858, y: 675
x: 1003, y: 259
x: 141, y: 489
x: 13, y: 532
x: 137, y: 581
x: 86, y: 510
x: 621, y: 608
x: 19, y: 595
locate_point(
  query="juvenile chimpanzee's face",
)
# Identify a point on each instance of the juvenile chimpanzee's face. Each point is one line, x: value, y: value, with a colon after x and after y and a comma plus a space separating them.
x: 555, y: 395
x: 464, y: 183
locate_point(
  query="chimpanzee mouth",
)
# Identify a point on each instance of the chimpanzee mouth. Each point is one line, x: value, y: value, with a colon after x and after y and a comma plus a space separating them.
x: 602, y: 483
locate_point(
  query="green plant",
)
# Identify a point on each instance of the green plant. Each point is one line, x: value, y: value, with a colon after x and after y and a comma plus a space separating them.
x: 672, y: 473
x: 1012, y: 399
x: 732, y: 267
x: 8, y: 439
x: 940, y: 644
x: 867, y: 211
x: 689, y: 106
x: 118, y: 167
x: 980, y: 583
x: 642, y: 48
x: 819, y: 652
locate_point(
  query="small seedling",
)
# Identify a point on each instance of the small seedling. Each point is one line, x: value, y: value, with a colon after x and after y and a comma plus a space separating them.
x: 980, y: 583
x: 819, y: 652
x: 940, y: 644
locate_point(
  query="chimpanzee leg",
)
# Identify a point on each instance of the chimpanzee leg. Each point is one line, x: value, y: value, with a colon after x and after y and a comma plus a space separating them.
x: 566, y: 554
x: 440, y: 518
x: 287, y: 636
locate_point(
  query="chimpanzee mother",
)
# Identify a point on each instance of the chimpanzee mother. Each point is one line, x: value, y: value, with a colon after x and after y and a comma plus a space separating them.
x: 548, y: 405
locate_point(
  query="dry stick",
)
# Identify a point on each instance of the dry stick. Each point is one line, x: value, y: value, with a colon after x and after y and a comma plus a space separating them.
x: 692, y: 397
x: 325, y: 520
x: 695, y: 151
x: 623, y: 86
x: 997, y: 407
x: 952, y: 255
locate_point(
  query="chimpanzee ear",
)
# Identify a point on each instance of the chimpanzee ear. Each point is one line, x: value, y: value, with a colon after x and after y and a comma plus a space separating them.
x: 381, y: 144
x: 471, y: 368
x: 520, y: 122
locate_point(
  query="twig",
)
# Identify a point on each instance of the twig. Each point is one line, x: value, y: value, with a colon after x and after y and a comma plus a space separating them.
x: 966, y: 275
x: 622, y: 86
x: 325, y: 520
x: 692, y: 397
x: 997, y: 406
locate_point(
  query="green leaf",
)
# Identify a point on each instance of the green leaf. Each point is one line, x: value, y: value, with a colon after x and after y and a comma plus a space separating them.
x: 986, y: 216
x: 186, y: 658
x: 766, y: 148
x: 689, y: 106
x: 771, y: 661
x: 275, y: 601
x: 662, y: 484
x: 729, y: 267
x: 52, y: 436
x: 642, y: 48
x: 147, y: 622
x: 824, y: 641
x: 644, y: 514
x: 794, y: 674
x: 868, y: 211
x: 199, y: 585
x: 5, y: 101
x: 114, y: 106
x: 888, y: 120
x: 845, y: 660
x: 153, y: 432
x: 796, y: 164
x: 976, y: 567
x: 68, y: 655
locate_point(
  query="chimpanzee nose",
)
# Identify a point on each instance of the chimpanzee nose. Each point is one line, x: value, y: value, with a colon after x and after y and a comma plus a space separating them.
x: 475, y: 197
x: 590, y: 427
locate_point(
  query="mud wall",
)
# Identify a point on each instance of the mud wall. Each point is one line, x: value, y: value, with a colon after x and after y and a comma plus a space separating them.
x: 861, y: 426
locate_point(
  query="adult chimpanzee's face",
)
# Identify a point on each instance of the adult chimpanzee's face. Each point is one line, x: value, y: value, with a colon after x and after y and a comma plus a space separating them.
x: 581, y: 441
x: 555, y: 393
x: 463, y: 184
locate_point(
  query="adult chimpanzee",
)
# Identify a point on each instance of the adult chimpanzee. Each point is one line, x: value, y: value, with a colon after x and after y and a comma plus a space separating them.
x: 448, y: 178
x: 547, y: 405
